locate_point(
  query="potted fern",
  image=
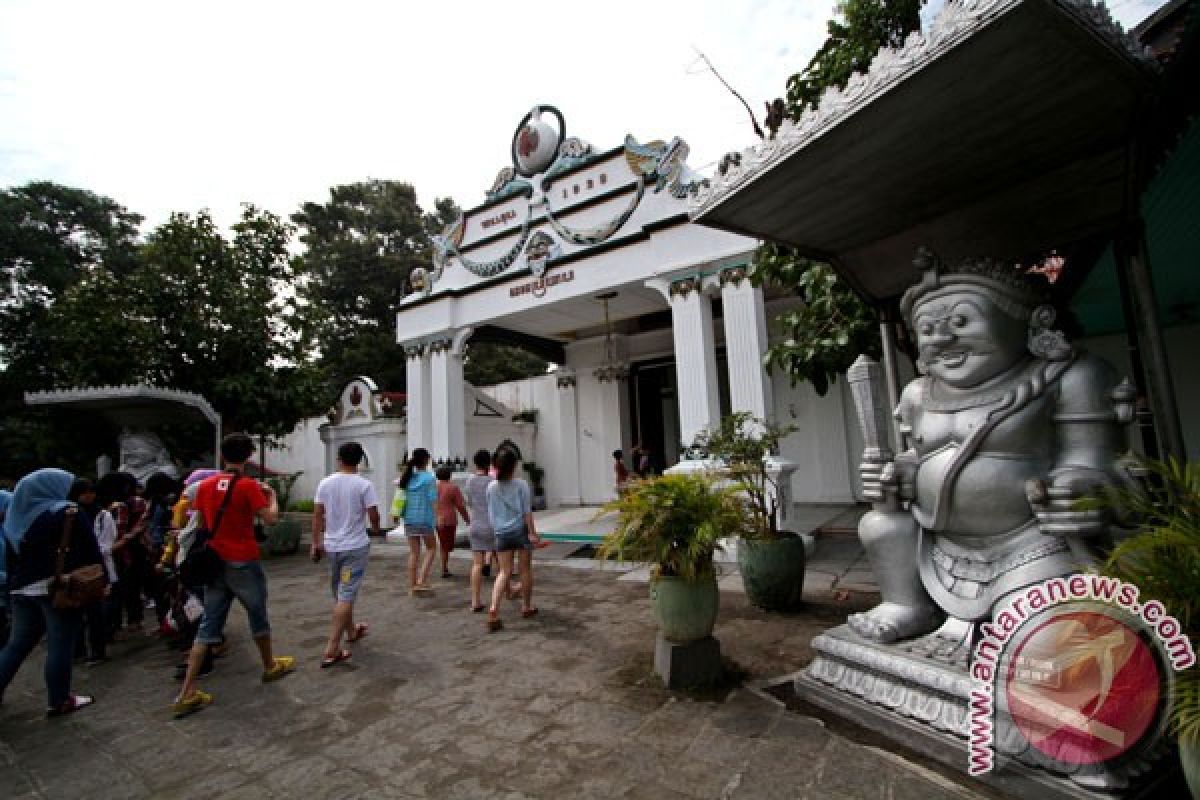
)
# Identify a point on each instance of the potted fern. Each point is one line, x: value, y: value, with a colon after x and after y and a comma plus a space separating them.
x: 1163, y: 559
x: 772, y: 561
x: 674, y: 522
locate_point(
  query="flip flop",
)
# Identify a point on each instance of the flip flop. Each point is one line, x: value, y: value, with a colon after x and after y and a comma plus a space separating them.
x: 529, y: 612
x: 360, y: 632
x: 343, y: 655
x: 478, y: 609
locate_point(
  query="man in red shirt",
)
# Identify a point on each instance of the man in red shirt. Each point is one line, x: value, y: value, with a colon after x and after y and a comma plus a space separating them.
x: 242, y: 575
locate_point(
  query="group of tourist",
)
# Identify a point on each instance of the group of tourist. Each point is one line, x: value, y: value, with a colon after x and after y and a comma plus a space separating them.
x: 497, y: 506
x: 144, y: 537
x: 54, y: 524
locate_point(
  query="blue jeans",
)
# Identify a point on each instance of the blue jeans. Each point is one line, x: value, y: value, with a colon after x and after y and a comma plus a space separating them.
x: 246, y: 581
x: 31, y: 617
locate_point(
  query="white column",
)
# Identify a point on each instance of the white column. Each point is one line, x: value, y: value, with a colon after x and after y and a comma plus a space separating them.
x: 745, y: 343
x: 449, y: 427
x: 418, y: 414
x: 695, y: 358
x: 567, y: 480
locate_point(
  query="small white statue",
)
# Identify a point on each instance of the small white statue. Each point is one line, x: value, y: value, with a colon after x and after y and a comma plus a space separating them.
x: 143, y: 454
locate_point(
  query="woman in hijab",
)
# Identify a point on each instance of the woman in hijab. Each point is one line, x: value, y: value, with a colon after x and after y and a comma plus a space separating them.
x: 33, y: 529
x: 5, y: 500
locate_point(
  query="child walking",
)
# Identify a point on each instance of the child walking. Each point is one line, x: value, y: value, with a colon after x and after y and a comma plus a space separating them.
x: 483, y: 538
x: 449, y: 506
x: 420, y: 497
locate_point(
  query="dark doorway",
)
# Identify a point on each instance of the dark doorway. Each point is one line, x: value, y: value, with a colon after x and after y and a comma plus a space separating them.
x: 652, y: 397
x: 652, y: 388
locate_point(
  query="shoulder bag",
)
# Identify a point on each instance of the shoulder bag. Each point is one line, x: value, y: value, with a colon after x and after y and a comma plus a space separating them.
x: 80, y: 587
x: 203, y: 565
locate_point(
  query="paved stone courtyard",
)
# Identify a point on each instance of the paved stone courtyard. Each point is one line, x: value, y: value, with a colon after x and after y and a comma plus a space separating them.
x: 560, y: 706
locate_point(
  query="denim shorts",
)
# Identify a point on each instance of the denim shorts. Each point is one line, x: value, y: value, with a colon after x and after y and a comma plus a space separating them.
x: 417, y: 531
x: 246, y: 581
x: 513, y: 540
x: 347, y: 569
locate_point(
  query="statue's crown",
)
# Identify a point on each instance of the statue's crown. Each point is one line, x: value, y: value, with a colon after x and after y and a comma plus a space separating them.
x: 1015, y: 290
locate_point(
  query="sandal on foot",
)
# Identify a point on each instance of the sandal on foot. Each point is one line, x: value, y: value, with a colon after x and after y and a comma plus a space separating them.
x: 282, y: 666
x: 196, y: 701
x: 494, y: 623
x: 360, y: 632
x: 529, y: 612
x: 72, y: 704
x: 329, y: 661
x: 478, y: 609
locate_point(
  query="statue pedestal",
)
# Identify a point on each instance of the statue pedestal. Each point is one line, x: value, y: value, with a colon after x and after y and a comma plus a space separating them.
x: 921, y: 702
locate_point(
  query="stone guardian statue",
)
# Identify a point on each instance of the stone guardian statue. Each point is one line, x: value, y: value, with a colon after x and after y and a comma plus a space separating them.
x: 1005, y: 428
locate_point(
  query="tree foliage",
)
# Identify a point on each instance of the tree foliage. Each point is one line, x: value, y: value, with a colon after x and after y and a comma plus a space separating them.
x: 822, y: 338
x: 865, y: 26
x: 489, y: 363
x: 87, y: 304
x: 227, y: 321
x: 362, y: 244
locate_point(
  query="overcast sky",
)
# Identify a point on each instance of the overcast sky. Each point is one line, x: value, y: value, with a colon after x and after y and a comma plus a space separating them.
x: 177, y: 106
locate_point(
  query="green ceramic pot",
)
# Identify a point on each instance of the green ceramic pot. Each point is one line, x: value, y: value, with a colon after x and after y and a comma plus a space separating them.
x: 686, y: 610
x: 1189, y: 756
x: 773, y: 572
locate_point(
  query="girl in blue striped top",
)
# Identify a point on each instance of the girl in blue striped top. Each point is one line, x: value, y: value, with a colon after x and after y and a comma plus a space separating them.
x: 420, y: 495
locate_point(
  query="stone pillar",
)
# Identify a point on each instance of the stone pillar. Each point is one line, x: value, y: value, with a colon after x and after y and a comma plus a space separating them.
x: 695, y: 358
x: 449, y: 426
x: 745, y: 343
x: 567, y: 481
x: 419, y: 418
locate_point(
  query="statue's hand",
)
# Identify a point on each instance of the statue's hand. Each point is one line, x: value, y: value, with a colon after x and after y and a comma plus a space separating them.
x: 878, y: 479
x: 1054, y: 503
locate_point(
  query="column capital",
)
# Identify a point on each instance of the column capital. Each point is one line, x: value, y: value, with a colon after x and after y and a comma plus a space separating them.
x: 565, y: 378
x: 733, y: 275
x: 682, y: 287
x: 414, y: 350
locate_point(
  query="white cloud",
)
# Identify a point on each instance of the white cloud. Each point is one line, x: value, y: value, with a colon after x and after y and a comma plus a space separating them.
x: 178, y: 106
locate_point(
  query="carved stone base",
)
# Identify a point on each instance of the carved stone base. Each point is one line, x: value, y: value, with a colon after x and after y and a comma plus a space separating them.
x: 918, y: 695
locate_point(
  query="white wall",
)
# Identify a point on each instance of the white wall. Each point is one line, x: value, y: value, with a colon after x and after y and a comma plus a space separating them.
x: 827, y: 443
x: 301, y: 451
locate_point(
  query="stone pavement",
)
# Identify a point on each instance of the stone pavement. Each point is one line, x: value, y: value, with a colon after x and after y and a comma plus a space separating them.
x: 563, y: 705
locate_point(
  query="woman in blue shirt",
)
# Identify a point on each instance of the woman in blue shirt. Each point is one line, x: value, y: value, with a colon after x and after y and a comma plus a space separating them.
x: 420, y: 496
x: 510, y: 509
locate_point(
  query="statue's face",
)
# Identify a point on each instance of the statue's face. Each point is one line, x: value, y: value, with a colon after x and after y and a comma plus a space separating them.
x: 964, y: 340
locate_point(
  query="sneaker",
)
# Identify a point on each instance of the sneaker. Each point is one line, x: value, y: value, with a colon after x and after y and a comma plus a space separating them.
x: 282, y: 666
x: 196, y: 701
x: 73, y: 704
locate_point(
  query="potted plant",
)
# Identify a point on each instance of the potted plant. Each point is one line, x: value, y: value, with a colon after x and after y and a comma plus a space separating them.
x: 771, y: 560
x: 673, y: 523
x: 1163, y: 560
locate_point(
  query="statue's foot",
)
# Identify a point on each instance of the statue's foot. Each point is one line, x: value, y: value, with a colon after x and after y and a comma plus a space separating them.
x: 891, y: 622
x: 950, y: 643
